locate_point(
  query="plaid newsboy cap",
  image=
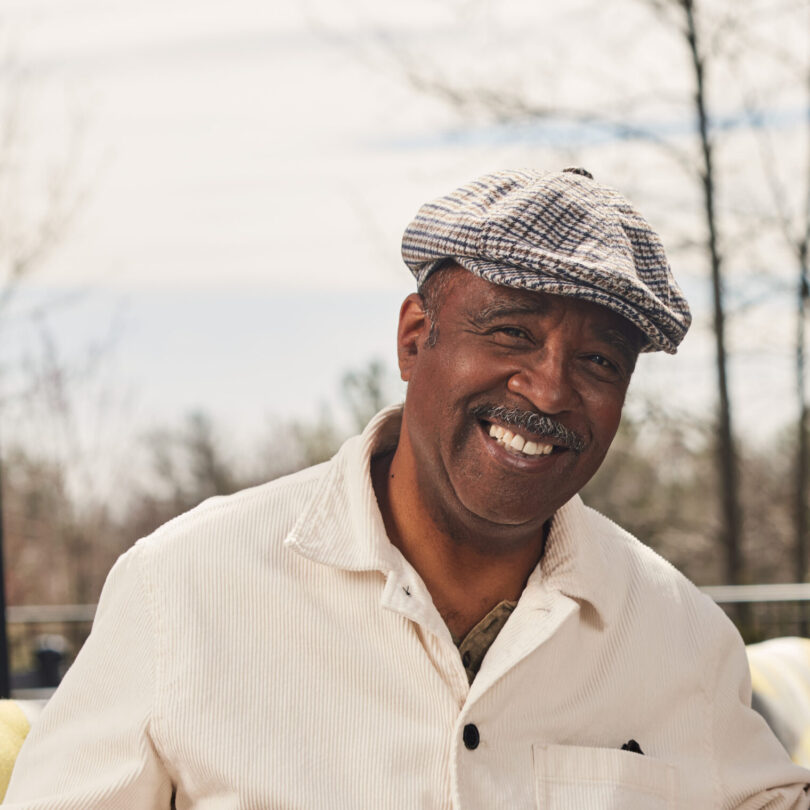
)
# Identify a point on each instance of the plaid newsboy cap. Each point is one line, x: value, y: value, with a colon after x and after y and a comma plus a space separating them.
x: 560, y: 233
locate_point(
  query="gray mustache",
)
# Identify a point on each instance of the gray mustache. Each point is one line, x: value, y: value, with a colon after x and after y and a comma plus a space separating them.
x: 533, y: 423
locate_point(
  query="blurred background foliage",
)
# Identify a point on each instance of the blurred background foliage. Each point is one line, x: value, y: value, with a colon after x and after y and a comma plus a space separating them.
x: 701, y: 109
x: 658, y: 482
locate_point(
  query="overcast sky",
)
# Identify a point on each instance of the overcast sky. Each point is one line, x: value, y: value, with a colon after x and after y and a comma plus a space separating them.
x: 243, y: 171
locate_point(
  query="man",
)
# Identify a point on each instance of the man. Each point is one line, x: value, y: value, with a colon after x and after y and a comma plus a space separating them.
x: 433, y: 619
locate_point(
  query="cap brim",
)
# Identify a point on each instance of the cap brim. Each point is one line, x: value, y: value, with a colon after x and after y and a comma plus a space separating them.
x: 624, y: 297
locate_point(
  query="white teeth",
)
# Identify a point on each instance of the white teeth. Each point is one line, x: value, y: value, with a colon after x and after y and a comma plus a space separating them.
x: 517, y: 442
x: 514, y: 441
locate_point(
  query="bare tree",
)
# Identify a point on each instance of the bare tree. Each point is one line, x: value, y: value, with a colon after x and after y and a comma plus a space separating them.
x: 792, y: 221
x: 506, y: 101
x: 25, y: 242
x: 28, y: 234
x: 364, y: 391
x: 726, y: 448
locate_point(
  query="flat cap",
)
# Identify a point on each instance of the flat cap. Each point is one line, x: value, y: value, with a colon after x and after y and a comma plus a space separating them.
x: 560, y: 233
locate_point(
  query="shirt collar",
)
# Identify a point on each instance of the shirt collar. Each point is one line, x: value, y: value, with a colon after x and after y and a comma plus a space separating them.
x: 342, y: 527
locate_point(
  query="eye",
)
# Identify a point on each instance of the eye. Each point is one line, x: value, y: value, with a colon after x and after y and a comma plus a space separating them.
x: 601, y: 360
x: 605, y: 367
x: 511, y: 332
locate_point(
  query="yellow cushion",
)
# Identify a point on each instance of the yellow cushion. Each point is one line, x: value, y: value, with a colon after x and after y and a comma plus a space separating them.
x: 780, y: 677
x: 14, y: 726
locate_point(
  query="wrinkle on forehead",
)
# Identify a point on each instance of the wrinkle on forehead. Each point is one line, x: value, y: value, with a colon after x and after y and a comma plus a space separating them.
x: 501, y: 309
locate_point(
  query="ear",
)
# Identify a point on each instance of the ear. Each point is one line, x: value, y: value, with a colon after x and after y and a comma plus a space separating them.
x: 414, y: 327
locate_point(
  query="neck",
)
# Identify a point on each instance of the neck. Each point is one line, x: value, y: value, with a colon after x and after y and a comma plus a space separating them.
x: 467, y: 569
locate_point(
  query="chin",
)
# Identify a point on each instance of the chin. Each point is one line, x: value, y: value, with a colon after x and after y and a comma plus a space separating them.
x: 509, y: 513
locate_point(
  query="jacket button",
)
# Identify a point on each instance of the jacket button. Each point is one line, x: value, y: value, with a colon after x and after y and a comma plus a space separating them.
x: 471, y: 736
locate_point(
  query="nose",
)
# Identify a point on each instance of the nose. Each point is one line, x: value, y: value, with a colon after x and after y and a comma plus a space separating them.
x: 547, y: 383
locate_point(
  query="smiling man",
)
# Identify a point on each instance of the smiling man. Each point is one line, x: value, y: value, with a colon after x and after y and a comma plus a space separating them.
x: 433, y: 619
x: 513, y: 400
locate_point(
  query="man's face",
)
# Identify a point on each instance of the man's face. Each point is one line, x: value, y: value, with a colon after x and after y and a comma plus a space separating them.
x: 502, y: 355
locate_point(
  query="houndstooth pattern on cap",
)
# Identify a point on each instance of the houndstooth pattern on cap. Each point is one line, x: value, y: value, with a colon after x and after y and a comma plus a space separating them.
x: 559, y: 233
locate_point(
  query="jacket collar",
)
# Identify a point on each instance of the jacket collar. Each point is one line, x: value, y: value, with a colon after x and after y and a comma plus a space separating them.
x: 342, y: 527
x: 577, y: 560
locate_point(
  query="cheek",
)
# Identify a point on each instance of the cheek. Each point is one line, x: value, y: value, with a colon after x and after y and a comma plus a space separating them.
x: 606, y: 423
x: 471, y: 375
x: 448, y: 374
x: 603, y: 411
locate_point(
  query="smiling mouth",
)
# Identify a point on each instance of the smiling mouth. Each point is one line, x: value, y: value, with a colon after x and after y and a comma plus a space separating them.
x: 537, y: 431
x: 519, y: 445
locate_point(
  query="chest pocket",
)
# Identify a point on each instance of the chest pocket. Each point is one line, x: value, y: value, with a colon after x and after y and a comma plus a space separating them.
x: 569, y: 777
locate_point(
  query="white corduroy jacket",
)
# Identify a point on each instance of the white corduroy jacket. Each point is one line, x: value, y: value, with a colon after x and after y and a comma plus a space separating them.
x: 273, y: 650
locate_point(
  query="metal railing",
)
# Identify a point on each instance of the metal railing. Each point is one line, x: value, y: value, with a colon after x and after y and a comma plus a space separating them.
x: 765, y: 611
x: 760, y: 612
x: 43, y: 640
x: 734, y: 594
x: 45, y: 614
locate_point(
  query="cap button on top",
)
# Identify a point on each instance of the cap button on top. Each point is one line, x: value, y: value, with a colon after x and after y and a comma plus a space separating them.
x: 580, y: 171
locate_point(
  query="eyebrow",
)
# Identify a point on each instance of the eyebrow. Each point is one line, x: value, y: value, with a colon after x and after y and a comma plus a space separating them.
x: 503, y: 310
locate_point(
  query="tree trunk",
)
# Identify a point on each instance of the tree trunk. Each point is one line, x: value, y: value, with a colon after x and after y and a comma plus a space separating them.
x: 800, y: 550
x: 726, y: 449
x: 5, y: 679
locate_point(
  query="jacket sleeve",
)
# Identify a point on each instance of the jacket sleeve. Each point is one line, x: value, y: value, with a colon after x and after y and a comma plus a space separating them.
x: 92, y: 746
x: 752, y: 769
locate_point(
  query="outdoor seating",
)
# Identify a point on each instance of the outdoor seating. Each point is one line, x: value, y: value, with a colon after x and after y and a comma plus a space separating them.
x: 780, y: 677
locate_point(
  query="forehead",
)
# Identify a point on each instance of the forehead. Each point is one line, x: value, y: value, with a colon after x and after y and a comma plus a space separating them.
x: 484, y: 301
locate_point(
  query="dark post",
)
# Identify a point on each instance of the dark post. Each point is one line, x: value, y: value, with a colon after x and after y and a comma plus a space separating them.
x: 5, y: 680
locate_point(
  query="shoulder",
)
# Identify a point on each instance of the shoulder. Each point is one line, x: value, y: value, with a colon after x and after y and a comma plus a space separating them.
x: 646, y: 566
x: 223, y: 528
x: 655, y: 590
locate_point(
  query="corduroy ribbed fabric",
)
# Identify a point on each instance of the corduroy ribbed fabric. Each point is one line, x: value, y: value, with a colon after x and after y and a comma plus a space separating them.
x: 272, y: 649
